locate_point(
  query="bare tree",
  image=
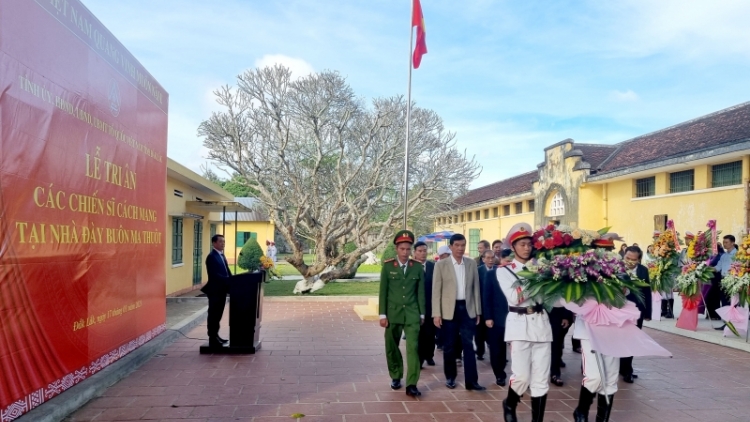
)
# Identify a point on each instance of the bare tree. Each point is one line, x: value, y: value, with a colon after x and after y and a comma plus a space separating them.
x: 327, y: 167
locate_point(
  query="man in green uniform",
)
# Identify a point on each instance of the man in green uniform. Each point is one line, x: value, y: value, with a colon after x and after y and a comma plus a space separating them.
x: 402, y: 307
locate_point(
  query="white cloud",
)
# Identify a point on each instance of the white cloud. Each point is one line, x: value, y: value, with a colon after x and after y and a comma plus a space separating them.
x: 299, y: 67
x: 623, y: 96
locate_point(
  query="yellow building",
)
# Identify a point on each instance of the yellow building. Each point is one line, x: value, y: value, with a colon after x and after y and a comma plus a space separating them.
x: 252, y: 223
x: 190, y: 200
x: 690, y: 173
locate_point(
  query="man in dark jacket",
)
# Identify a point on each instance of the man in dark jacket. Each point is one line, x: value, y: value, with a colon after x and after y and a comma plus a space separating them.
x: 632, y: 258
x: 495, y: 311
x: 487, y: 265
x: 216, y: 289
x: 426, y: 331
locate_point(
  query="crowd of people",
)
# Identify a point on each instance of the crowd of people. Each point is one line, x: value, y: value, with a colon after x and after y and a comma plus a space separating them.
x: 714, y: 296
x: 477, y: 305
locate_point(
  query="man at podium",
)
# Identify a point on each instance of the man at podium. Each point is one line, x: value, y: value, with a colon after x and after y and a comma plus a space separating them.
x: 216, y: 289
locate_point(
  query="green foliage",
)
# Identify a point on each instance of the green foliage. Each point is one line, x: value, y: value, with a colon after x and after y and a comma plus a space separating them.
x: 389, y: 252
x: 239, y: 187
x: 250, y: 254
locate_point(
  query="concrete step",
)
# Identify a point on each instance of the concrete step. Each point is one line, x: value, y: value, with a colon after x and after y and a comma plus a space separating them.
x: 366, y: 312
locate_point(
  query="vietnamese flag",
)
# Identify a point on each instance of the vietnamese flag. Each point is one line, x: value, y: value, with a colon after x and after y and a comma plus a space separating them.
x: 418, y: 20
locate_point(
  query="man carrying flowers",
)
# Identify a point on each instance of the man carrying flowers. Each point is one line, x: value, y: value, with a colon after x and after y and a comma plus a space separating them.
x: 528, y: 330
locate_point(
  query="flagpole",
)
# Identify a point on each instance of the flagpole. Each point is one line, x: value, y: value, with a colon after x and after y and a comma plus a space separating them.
x: 408, y: 120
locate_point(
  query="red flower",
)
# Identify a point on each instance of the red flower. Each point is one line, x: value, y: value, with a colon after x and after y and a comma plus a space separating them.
x: 551, y: 228
x: 538, y: 244
x: 538, y: 234
x: 557, y: 238
x: 549, y: 243
x: 567, y: 239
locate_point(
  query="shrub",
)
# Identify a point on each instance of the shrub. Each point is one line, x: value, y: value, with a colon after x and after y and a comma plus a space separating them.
x: 250, y: 256
x: 389, y: 252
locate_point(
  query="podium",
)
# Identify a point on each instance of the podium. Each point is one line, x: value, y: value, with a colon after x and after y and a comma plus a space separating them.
x: 245, y: 315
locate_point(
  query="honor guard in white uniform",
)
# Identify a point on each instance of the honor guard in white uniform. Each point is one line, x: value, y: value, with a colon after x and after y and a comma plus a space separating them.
x: 594, y: 381
x: 528, y: 331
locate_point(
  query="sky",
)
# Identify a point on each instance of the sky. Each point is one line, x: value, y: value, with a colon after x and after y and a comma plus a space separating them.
x: 508, y: 77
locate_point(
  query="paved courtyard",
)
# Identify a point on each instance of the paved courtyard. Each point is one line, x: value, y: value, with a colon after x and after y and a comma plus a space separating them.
x: 320, y: 360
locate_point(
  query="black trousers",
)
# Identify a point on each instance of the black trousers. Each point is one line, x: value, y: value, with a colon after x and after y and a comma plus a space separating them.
x: 714, y: 296
x: 464, y: 326
x: 498, y: 350
x: 480, y: 337
x: 558, y: 339
x: 216, y: 304
x: 427, y: 341
x: 626, y: 364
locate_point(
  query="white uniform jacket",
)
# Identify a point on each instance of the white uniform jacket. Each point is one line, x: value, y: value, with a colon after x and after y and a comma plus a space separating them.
x: 534, y: 327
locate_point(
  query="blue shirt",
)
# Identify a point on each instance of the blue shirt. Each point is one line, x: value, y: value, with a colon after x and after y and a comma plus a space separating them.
x: 725, y: 262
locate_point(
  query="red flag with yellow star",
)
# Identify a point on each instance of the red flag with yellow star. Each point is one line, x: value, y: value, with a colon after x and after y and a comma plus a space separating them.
x: 418, y: 20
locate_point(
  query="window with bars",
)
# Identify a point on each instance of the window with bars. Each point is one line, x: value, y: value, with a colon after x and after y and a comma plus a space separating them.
x: 682, y: 181
x: 495, y: 212
x: 476, y: 215
x: 726, y: 174
x: 176, y: 240
x: 469, y: 216
x: 519, y: 207
x: 531, y: 205
x: 645, y: 187
x: 506, y: 210
x: 557, y: 205
x: 486, y: 214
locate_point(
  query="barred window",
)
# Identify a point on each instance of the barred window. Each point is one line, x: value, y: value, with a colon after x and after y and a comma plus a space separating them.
x: 531, y: 205
x: 495, y: 212
x: 476, y: 215
x: 487, y: 213
x: 506, y: 210
x: 645, y: 187
x: 682, y: 181
x: 726, y: 174
x: 519, y: 207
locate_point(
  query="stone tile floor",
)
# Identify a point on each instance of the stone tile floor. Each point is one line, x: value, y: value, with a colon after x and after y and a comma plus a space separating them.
x: 319, y: 359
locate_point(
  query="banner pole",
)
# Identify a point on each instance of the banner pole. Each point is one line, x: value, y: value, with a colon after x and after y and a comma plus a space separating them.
x: 408, y: 120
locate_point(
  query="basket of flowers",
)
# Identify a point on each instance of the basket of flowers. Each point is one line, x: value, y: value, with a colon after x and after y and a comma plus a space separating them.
x: 665, y: 267
x: 694, y: 273
x: 737, y: 286
x: 569, y: 266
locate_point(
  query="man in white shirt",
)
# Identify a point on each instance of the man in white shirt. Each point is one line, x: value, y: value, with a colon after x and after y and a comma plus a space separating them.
x: 527, y: 329
x: 456, y: 310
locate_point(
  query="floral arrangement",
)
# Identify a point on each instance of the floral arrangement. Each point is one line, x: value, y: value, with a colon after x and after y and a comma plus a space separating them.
x: 269, y: 267
x: 696, y: 270
x: 564, y: 240
x: 737, y: 280
x: 593, y: 274
x: 692, y: 275
x: 664, y: 268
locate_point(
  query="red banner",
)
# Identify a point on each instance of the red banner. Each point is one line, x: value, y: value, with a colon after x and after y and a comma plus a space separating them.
x: 83, y: 141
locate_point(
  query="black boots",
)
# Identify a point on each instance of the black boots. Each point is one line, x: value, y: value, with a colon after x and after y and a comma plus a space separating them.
x: 664, y: 308
x: 603, y: 409
x: 670, y: 309
x: 509, y: 406
x: 581, y: 414
x: 537, y: 408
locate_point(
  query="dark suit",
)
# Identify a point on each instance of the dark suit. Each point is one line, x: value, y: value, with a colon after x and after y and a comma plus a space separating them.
x: 216, y: 290
x: 626, y: 364
x: 427, y: 330
x: 556, y: 317
x: 495, y: 308
x: 481, y: 335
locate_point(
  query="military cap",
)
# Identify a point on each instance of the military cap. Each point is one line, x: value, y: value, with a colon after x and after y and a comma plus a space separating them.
x: 403, y: 236
x: 517, y: 232
x: 656, y: 234
x: 689, y: 235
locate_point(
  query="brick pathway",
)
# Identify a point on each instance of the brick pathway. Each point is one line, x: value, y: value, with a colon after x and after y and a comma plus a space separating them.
x: 320, y: 360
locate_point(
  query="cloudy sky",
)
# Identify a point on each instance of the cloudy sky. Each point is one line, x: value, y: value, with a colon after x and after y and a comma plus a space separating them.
x: 509, y: 77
